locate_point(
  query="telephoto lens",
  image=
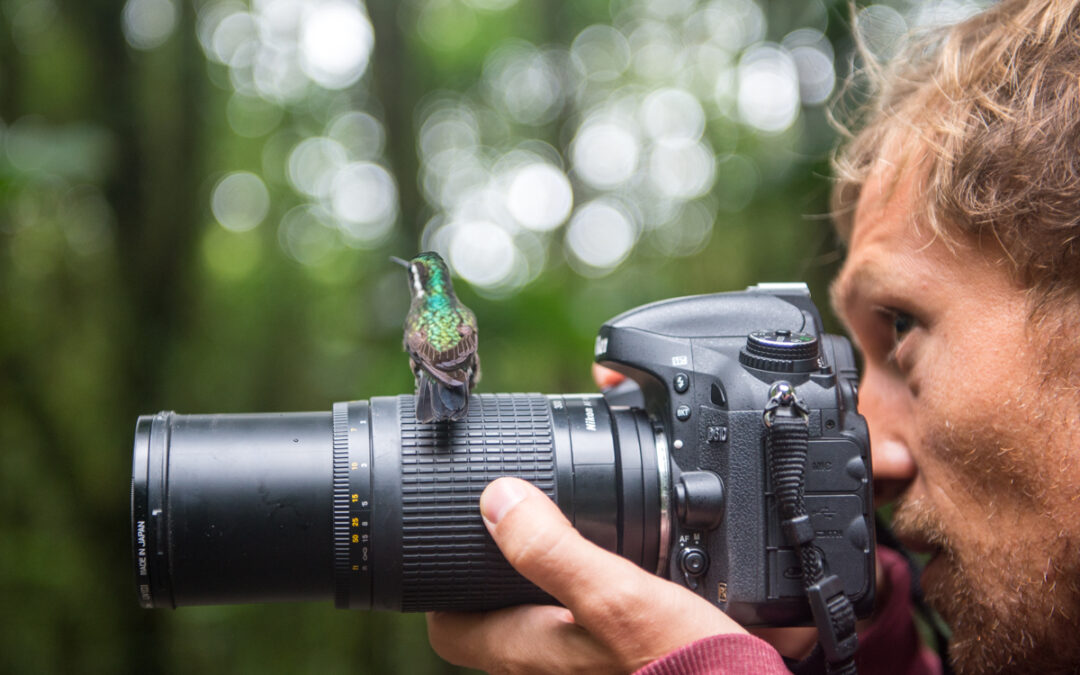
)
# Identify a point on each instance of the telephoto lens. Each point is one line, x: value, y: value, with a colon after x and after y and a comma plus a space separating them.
x: 366, y: 506
x: 732, y: 461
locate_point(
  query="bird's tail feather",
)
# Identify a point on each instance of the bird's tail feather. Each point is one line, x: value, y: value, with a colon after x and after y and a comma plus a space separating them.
x: 436, y: 402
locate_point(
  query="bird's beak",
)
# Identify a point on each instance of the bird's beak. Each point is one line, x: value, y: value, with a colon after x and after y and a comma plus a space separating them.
x: 403, y: 263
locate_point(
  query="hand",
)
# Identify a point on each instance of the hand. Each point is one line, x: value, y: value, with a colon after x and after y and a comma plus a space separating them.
x: 617, y: 617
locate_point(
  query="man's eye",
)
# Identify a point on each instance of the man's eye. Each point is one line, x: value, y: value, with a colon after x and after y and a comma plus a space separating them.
x: 903, y: 323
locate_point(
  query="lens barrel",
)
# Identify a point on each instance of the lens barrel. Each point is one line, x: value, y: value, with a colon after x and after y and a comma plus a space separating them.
x: 368, y: 507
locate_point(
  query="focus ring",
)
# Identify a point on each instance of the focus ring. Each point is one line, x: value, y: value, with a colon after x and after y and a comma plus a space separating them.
x: 341, y: 505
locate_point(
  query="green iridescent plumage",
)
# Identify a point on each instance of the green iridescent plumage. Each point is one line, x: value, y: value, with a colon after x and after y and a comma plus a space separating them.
x: 441, y: 339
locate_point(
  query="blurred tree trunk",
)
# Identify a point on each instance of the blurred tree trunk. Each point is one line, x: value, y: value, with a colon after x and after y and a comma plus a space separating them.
x: 9, y: 72
x: 156, y: 231
x: 397, y: 79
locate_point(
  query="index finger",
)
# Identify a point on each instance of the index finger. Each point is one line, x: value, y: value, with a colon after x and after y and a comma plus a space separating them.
x: 606, y: 378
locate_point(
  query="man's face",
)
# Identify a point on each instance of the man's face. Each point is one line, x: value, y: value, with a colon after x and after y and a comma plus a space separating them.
x: 975, y: 428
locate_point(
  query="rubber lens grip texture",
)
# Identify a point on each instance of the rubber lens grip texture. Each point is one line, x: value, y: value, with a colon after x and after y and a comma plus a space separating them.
x: 449, y: 561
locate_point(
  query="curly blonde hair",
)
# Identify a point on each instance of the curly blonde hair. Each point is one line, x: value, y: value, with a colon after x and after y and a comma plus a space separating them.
x: 989, y: 109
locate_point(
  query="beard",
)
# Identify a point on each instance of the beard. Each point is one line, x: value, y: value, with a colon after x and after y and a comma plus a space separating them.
x: 1011, y: 595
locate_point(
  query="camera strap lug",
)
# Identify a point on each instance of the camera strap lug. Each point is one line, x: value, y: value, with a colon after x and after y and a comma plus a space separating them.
x: 786, y: 420
x: 783, y: 399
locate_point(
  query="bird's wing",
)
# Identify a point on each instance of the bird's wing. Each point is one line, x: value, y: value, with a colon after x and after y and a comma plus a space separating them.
x: 451, y: 366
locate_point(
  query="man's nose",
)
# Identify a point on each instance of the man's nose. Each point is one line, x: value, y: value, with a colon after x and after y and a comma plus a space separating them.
x: 887, y: 406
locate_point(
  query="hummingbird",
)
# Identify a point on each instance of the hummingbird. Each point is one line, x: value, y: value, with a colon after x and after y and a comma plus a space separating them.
x: 441, y: 340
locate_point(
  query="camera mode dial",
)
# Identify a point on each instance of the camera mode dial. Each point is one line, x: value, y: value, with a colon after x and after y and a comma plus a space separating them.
x: 782, y: 351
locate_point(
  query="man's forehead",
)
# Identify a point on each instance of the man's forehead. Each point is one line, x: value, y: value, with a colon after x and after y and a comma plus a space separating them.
x: 887, y: 238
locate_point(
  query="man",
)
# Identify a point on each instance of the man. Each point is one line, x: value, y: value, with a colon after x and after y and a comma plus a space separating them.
x: 961, y: 288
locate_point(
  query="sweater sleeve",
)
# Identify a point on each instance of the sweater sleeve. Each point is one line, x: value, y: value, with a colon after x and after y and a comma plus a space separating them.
x: 735, y: 654
x: 890, y: 644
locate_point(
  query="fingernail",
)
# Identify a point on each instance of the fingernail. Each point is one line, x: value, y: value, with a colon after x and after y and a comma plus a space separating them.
x: 499, y: 497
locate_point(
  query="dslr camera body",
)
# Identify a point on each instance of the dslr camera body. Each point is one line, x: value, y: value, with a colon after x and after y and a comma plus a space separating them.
x: 368, y: 507
x: 706, y: 366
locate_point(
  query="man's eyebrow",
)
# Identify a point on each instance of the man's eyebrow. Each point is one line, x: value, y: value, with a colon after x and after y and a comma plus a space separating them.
x: 841, y: 292
x: 851, y: 283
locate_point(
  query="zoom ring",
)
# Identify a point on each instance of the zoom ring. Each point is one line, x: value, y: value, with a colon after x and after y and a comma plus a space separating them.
x: 448, y: 559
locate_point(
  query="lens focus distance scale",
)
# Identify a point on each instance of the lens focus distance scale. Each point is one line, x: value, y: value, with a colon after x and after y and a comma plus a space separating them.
x: 352, y: 506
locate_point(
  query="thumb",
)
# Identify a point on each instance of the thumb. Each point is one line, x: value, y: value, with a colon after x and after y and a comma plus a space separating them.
x: 607, y: 594
x: 541, y: 544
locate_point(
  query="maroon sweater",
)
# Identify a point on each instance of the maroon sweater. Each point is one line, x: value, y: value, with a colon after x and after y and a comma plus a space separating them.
x: 889, y: 645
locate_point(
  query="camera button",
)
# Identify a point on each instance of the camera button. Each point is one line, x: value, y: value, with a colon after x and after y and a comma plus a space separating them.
x: 681, y: 382
x: 682, y: 413
x: 693, y: 561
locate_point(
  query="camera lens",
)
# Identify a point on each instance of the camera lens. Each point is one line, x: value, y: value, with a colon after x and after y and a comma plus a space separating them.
x: 368, y: 507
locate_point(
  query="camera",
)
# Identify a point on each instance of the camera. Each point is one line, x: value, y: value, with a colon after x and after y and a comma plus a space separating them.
x: 672, y: 470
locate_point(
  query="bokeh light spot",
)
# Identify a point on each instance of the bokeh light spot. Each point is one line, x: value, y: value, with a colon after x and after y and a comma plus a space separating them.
x: 240, y: 201
x: 525, y: 82
x: 276, y: 75
x: 539, y: 197
x: 681, y: 169
x: 482, y: 253
x: 768, y: 96
x: 307, y: 234
x: 336, y: 39
x: 364, y: 197
x: 881, y: 29
x: 813, y: 57
x: 606, y: 152
x: 732, y: 24
x: 687, y: 233
x: 148, y: 23
x: 600, y: 235
x: 448, y: 126
x: 672, y: 114
x: 600, y: 53
x: 657, y: 52
x: 313, y: 163
x: 938, y: 13
x: 359, y: 133
x: 451, y: 175
x: 231, y: 34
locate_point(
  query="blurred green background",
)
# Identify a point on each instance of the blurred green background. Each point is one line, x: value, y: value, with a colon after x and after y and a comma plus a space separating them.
x: 198, y: 199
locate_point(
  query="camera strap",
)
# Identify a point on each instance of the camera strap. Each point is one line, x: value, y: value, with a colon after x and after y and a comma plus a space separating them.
x: 787, y: 438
